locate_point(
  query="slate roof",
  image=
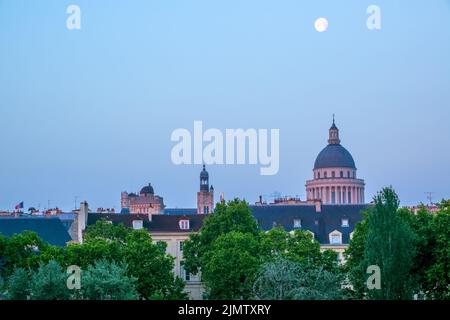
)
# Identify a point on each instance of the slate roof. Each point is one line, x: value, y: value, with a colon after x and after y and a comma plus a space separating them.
x: 268, y: 216
x: 159, y: 223
x: 334, y: 156
x: 180, y: 211
x: 50, y: 229
x: 320, y: 223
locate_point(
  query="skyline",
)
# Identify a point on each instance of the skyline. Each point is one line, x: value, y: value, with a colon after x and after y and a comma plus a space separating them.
x: 90, y: 112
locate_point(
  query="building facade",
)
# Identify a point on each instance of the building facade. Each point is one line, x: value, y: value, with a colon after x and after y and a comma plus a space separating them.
x: 334, y: 175
x: 145, y: 202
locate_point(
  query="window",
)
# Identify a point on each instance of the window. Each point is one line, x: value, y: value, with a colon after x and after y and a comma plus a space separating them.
x: 184, y: 224
x: 344, y: 223
x: 184, y: 275
x: 137, y: 224
x: 297, y: 223
x: 335, y: 237
x: 342, y: 174
x: 181, y: 245
x: 333, y: 174
x: 325, y: 174
x: 205, y: 209
x: 348, y: 174
x: 318, y: 175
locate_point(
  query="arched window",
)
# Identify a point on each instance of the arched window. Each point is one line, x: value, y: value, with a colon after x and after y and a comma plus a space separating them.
x: 325, y: 174
x: 333, y: 174
x: 342, y: 174
x: 318, y: 175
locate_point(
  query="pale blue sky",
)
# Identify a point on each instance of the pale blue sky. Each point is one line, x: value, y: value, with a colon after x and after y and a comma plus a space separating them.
x: 89, y: 113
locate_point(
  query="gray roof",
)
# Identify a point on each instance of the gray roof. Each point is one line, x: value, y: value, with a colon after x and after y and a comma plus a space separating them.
x: 334, y: 155
x: 320, y: 223
x: 159, y: 222
x: 176, y: 211
x: 49, y: 229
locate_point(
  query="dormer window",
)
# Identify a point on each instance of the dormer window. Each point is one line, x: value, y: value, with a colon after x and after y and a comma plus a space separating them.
x: 335, y: 237
x: 344, y: 223
x: 297, y: 223
x: 137, y: 224
x: 184, y: 224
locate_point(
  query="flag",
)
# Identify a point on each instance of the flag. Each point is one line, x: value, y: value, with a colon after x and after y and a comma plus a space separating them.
x: 19, y: 206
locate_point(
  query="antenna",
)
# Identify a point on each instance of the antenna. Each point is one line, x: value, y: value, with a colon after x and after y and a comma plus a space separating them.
x: 430, y: 196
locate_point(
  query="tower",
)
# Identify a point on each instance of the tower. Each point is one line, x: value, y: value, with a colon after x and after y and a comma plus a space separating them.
x: 205, y: 197
x: 334, y: 174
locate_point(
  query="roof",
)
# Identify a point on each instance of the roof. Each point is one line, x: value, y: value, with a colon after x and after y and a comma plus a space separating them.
x: 158, y: 223
x: 147, y: 189
x: 49, y: 229
x: 179, y: 211
x: 320, y: 223
x: 268, y: 216
x: 334, y: 156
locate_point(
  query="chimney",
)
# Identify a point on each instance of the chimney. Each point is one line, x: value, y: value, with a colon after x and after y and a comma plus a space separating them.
x: 318, y: 205
x: 82, y: 220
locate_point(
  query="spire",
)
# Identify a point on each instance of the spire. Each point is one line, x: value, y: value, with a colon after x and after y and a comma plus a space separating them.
x: 333, y: 137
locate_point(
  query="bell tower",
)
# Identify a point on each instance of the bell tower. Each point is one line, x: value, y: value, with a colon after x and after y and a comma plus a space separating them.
x: 205, y: 197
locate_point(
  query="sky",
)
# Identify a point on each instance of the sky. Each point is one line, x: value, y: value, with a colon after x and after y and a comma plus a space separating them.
x: 86, y: 114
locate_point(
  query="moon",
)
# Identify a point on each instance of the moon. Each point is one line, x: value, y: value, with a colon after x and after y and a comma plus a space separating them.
x: 321, y: 24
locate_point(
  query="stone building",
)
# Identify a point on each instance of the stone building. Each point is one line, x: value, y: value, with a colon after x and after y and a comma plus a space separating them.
x: 334, y: 175
x: 145, y: 202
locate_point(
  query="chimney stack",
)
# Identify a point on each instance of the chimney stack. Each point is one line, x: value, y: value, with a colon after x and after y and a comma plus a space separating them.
x: 318, y: 205
x: 82, y: 220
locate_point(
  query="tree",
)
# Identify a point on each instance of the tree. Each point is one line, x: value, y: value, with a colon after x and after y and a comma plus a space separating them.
x: 150, y: 264
x: 49, y: 282
x: 20, y: 251
x: 231, y: 265
x: 284, y: 279
x: 388, y: 242
x: 437, y: 274
x: 18, y: 285
x: 298, y: 246
x: 232, y: 216
x: 146, y: 261
x: 108, y: 281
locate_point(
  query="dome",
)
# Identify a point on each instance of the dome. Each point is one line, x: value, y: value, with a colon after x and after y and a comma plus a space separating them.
x: 204, y: 173
x: 147, y: 190
x: 334, y: 156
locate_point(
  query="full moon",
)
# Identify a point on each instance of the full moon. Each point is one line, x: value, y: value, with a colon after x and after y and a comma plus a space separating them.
x: 321, y: 25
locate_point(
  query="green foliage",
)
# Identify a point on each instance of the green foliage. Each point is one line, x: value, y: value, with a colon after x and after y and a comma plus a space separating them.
x: 298, y: 246
x: 232, y: 216
x: 107, y: 281
x: 20, y: 251
x: 388, y: 242
x: 49, y: 282
x: 18, y: 285
x: 230, y: 249
x: 284, y: 279
x: 437, y: 270
x: 231, y: 266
